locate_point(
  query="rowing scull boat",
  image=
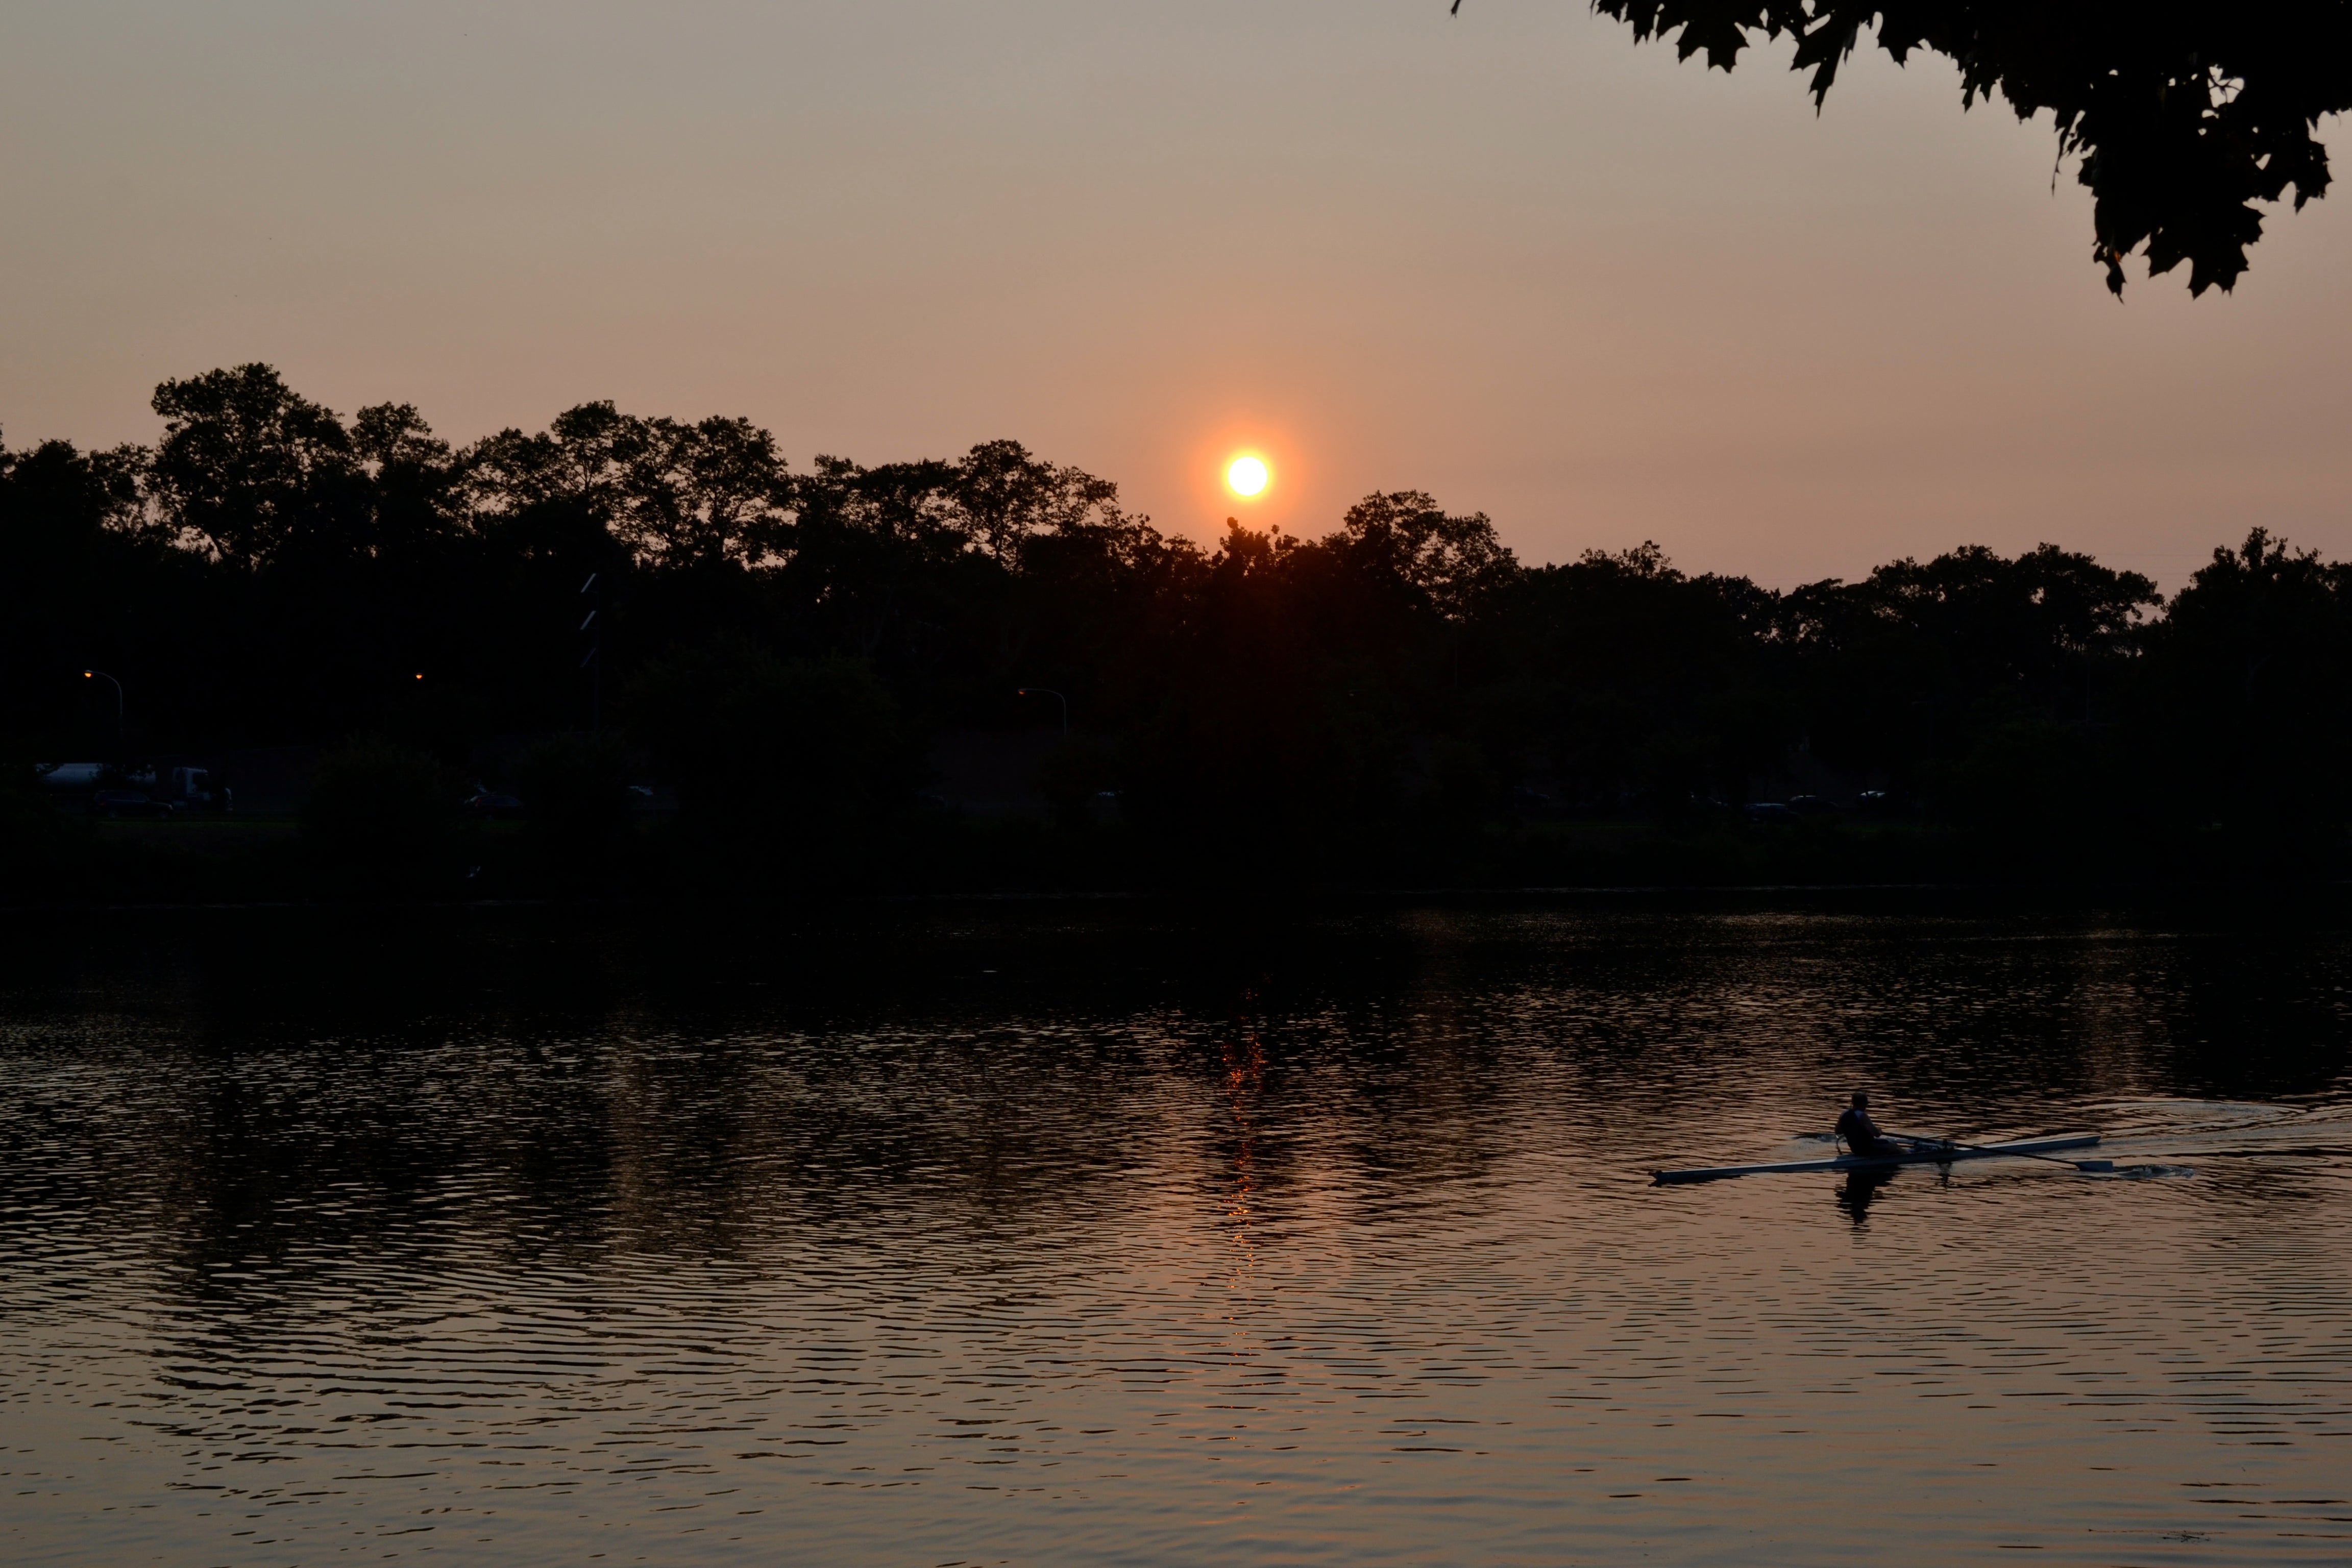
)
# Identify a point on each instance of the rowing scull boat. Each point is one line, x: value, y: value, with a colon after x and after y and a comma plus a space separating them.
x: 1921, y: 1153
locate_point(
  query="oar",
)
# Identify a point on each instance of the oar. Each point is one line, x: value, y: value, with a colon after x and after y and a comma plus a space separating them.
x: 2011, y: 1153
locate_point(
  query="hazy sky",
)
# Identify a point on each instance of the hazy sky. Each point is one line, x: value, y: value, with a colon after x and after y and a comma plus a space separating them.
x: 1506, y: 257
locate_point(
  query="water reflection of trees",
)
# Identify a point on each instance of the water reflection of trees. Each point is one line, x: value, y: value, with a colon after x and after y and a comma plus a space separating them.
x: 525, y: 1093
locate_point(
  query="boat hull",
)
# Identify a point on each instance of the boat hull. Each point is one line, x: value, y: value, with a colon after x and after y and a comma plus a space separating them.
x: 1919, y: 1154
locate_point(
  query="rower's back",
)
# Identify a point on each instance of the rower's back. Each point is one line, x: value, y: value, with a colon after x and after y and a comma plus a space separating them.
x: 1861, y: 1133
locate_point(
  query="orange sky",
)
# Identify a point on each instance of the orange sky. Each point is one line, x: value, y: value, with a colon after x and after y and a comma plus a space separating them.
x: 1505, y: 256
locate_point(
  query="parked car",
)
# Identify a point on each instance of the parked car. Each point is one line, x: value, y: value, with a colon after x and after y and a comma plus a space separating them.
x: 491, y: 806
x: 1813, y: 805
x: 111, y: 804
x: 1770, y: 811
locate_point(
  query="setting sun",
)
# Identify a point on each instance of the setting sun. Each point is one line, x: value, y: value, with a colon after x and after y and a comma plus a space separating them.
x: 1246, y: 475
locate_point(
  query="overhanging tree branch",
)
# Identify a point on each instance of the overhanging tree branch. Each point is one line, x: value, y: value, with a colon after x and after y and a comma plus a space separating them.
x: 2184, y: 116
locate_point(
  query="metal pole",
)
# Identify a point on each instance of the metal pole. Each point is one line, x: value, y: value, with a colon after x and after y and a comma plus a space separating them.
x: 1049, y: 691
x: 101, y: 675
x: 594, y: 627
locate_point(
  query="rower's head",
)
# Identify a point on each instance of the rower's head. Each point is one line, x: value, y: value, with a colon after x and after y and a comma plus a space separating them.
x: 1860, y: 1101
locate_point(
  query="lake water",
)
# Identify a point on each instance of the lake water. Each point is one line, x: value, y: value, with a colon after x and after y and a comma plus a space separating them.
x: 1099, y: 1234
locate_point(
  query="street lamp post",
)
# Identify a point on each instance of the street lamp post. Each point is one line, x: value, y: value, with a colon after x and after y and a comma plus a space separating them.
x: 101, y: 675
x: 1048, y: 691
x: 594, y: 661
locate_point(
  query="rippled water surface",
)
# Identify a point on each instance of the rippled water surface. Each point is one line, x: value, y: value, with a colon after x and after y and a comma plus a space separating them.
x: 1093, y: 1234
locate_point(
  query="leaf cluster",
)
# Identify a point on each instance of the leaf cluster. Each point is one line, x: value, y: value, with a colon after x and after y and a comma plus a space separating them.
x: 2183, y: 115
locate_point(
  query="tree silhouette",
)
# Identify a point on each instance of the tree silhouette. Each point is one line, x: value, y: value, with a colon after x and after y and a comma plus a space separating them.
x: 2249, y: 695
x: 783, y: 646
x: 2184, y: 115
x: 246, y: 468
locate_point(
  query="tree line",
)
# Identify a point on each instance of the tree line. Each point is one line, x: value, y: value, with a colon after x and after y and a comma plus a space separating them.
x: 783, y: 644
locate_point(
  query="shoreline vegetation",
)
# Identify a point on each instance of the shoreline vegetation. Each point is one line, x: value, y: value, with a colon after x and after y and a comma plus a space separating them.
x: 275, y: 862
x: 631, y: 656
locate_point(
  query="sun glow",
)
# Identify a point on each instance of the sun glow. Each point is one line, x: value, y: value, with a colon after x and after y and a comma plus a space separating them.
x: 1246, y: 475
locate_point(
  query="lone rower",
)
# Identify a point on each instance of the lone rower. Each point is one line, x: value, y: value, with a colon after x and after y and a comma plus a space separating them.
x: 1861, y: 1133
